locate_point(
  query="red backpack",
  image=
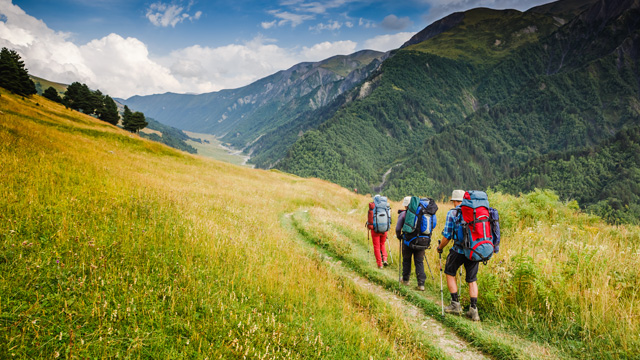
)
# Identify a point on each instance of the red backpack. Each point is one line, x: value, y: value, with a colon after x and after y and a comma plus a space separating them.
x: 370, y: 216
x: 475, y: 230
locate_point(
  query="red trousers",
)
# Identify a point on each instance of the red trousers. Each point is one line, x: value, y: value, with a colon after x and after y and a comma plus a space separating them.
x: 378, y: 246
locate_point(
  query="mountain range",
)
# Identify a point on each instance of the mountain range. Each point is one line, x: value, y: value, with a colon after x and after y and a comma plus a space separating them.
x: 472, y: 101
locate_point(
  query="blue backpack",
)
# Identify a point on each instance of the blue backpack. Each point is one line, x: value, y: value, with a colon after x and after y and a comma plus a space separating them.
x: 381, y: 214
x: 419, y: 222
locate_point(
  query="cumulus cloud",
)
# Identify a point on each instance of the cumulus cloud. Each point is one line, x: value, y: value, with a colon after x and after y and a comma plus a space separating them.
x: 203, y: 69
x: 441, y: 8
x: 327, y: 49
x: 164, y: 15
x: 388, y: 42
x: 392, y: 22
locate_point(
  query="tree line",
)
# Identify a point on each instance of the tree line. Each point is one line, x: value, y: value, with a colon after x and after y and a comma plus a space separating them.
x: 15, y: 78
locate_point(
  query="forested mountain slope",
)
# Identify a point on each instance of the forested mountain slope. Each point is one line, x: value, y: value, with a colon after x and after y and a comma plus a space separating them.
x: 606, y: 178
x: 469, y: 105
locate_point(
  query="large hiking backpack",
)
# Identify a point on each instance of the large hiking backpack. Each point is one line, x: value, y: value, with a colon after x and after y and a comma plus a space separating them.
x: 479, y: 229
x: 379, y: 215
x: 419, y: 222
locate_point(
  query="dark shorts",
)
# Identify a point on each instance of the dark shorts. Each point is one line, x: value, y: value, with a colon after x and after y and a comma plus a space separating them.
x: 455, y: 260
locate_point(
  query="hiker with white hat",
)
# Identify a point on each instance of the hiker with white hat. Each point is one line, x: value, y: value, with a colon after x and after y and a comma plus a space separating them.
x: 456, y: 258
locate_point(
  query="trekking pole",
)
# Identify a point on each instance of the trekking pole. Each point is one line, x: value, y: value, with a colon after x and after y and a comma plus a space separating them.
x: 390, y: 256
x: 441, y: 293
x: 429, y: 267
x: 399, y: 261
x: 367, y: 230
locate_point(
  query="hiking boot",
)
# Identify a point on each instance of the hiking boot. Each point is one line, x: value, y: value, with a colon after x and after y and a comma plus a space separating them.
x: 420, y: 287
x: 380, y: 266
x: 405, y: 282
x: 453, y: 308
x: 385, y: 263
x: 473, y: 314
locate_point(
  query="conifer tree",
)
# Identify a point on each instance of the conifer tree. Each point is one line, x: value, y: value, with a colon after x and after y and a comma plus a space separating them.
x: 13, y: 74
x: 52, y: 94
x: 126, y: 118
x: 109, y: 111
x: 133, y: 122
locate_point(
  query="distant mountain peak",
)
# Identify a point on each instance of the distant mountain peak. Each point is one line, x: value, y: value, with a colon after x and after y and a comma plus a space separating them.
x: 436, y: 28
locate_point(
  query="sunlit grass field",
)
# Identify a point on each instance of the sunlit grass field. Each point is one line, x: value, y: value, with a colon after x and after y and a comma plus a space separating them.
x: 115, y: 246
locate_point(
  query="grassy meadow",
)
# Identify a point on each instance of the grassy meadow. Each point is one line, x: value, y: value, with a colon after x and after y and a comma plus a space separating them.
x: 115, y: 246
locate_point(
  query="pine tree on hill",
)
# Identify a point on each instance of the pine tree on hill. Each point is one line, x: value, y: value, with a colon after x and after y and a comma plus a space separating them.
x: 52, y: 94
x: 135, y: 121
x: 126, y: 118
x: 79, y: 97
x: 13, y: 74
x: 109, y: 111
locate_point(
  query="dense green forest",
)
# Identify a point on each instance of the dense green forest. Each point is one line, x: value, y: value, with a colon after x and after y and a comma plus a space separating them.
x: 604, y: 179
x: 441, y: 120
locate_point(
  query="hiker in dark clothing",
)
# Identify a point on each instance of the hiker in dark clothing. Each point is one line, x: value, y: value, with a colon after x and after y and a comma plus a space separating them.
x: 455, y: 259
x: 407, y: 252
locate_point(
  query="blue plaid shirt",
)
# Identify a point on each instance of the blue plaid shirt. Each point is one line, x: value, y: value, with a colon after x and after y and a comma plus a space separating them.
x: 450, y: 226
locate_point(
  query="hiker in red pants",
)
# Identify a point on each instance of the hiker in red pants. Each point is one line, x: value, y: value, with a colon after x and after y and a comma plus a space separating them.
x: 379, y: 221
x: 379, y: 248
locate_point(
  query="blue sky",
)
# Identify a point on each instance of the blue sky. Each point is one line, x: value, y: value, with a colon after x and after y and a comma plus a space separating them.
x: 129, y: 47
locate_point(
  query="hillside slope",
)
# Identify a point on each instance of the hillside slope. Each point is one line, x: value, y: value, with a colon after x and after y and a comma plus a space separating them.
x: 115, y: 246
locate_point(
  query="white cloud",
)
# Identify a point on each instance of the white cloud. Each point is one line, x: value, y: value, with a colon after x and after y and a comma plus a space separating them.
x: 327, y: 49
x: 365, y: 23
x: 332, y: 25
x: 164, y: 15
x: 318, y: 7
x: 392, y: 22
x: 268, y: 25
x: 387, y: 42
x: 203, y: 69
x: 287, y: 17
